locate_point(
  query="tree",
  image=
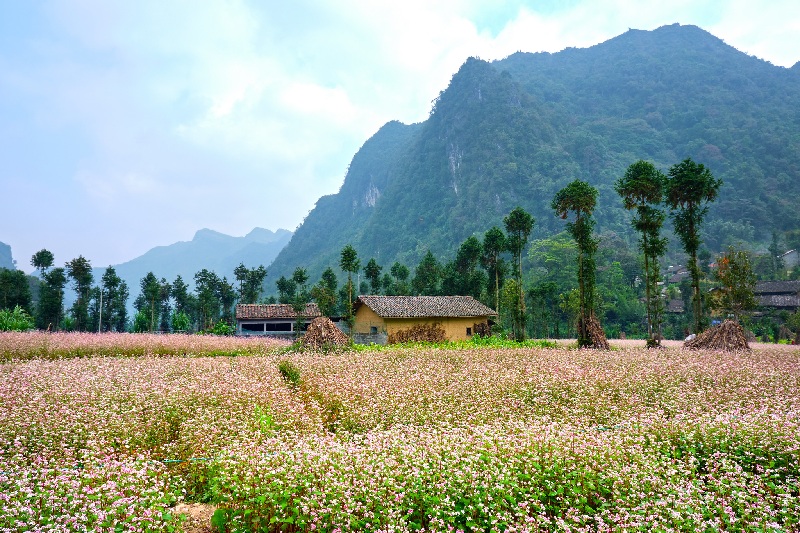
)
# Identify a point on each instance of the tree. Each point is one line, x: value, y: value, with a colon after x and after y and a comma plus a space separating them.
x: 206, y: 287
x: 14, y: 290
x: 462, y: 275
x: 519, y: 224
x: 400, y: 273
x: 734, y: 273
x: 300, y: 278
x: 689, y: 189
x: 494, y: 244
x: 580, y: 199
x: 42, y: 260
x: 324, y: 292
x: 349, y: 263
x: 642, y: 189
x: 51, y: 299
x: 286, y: 289
x: 151, y: 293
x: 427, y: 276
x: 251, y: 281
x: 113, y: 312
x: 373, y: 274
x: 80, y: 270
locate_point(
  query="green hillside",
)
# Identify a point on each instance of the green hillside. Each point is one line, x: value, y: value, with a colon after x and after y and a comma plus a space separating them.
x: 513, y: 132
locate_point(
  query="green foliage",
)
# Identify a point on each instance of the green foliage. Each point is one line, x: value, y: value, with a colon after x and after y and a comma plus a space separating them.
x: 50, y: 308
x: 689, y: 190
x: 290, y: 373
x: 14, y: 289
x: 427, y: 276
x: 80, y: 270
x: 642, y: 189
x: 734, y: 273
x: 251, y: 281
x: 518, y: 224
x: 16, y: 319
x: 181, y: 323
x: 580, y: 198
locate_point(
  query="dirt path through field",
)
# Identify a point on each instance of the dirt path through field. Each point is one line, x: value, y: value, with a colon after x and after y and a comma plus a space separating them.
x: 198, y: 517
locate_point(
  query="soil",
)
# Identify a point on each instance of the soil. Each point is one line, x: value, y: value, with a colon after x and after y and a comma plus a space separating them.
x: 198, y: 517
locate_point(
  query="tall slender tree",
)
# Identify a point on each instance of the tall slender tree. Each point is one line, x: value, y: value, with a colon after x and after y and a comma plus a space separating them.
x: 372, y: 271
x: 301, y: 297
x: 580, y: 199
x: 324, y: 292
x: 494, y: 244
x: 51, y: 300
x: 349, y: 262
x: 80, y: 270
x: 642, y: 189
x: 518, y: 224
x: 690, y: 188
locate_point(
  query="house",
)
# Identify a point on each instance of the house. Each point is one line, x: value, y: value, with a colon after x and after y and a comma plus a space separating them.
x: 271, y: 319
x: 779, y: 295
x: 385, y: 315
x: 790, y: 259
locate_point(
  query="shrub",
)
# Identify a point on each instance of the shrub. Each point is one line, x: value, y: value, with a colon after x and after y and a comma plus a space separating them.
x: 15, y: 320
x: 289, y: 372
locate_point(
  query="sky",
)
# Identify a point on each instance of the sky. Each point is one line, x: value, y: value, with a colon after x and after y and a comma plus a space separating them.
x: 126, y: 125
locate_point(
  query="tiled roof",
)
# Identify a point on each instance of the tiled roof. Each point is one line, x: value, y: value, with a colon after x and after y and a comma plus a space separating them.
x: 675, y: 306
x: 424, y: 306
x: 782, y: 301
x: 777, y: 287
x: 261, y: 311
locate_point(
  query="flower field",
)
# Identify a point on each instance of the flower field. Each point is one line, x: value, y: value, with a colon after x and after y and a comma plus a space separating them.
x: 98, y: 436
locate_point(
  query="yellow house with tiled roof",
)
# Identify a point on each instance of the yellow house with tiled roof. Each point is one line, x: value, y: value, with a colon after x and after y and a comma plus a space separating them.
x: 458, y: 315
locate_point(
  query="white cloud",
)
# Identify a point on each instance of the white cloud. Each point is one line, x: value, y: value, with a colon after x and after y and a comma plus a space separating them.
x: 174, y: 106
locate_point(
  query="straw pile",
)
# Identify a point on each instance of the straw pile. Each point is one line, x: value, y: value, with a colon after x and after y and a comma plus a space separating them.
x: 323, y: 333
x: 419, y: 333
x: 728, y: 336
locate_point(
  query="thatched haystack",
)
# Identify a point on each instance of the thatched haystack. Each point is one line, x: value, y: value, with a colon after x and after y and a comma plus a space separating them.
x: 728, y: 336
x: 597, y: 337
x: 323, y: 333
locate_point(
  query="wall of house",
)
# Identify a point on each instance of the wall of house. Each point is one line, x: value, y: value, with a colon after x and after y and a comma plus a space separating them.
x: 366, y: 319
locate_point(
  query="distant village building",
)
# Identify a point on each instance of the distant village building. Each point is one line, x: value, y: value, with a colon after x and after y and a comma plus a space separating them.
x: 790, y: 259
x: 385, y: 315
x: 778, y: 295
x: 272, y: 319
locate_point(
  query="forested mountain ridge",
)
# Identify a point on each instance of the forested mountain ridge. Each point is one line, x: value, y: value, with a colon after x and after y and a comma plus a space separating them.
x: 514, y: 131
x: 208, y: 249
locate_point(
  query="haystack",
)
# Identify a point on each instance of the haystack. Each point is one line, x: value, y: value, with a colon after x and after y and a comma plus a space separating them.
x: 728, y: 336
x: 323, y: 333
x: 597, y: 337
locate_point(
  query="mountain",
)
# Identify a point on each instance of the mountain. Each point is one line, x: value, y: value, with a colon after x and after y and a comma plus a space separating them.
x: 208, y: 249
x: 515, y: 131
x: 6, y: 261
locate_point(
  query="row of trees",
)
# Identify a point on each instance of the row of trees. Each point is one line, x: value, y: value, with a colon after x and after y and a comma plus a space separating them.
x: 160, y: 305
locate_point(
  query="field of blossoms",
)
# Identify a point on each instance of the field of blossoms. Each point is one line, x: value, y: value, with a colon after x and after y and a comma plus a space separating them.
x: 406, y: 439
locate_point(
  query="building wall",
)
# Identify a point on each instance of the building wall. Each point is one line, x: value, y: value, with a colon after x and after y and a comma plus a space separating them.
x: 455, y: 328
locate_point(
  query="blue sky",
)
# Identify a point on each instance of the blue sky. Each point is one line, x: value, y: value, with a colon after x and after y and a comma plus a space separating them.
x: 126, y: 125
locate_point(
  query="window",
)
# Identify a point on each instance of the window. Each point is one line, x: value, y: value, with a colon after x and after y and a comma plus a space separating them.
x: 469, y: 332
x: 252, y: 327
x: 373, y: 330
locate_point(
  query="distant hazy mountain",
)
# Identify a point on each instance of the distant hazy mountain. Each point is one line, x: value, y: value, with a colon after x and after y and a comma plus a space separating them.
x: 208, y: 249
x: 5, y: 257
x: 513, y: 132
